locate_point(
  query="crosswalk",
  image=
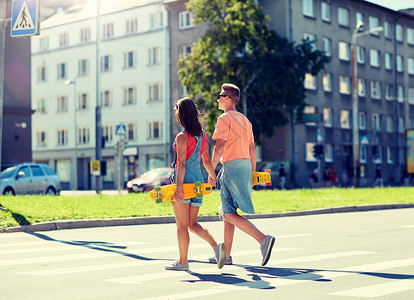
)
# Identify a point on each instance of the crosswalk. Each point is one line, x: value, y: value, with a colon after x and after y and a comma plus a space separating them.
x: 138, y: 266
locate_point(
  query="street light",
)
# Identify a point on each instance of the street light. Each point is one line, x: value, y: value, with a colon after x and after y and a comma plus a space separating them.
x: 354, y: 73
x: 68, y: 82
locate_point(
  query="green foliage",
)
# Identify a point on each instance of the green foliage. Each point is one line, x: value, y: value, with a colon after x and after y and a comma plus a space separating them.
x: 240, y: 48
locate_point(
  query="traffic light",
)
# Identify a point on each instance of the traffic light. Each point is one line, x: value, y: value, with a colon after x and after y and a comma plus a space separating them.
x: 321, y: 151
x: 318, y: 151
x: 315, y: 151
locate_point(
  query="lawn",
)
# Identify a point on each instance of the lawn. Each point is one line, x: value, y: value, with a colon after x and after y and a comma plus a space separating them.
x: 34, y: 209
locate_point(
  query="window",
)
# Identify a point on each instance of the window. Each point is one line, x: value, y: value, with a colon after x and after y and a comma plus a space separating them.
x: 400, y: 92
x: 344, y: 120
x: 387, y: 29
x: 130, y: 131
x: 359, y: 17
x: 83, y: 67
x: 183, y: 51
x: 344, y: 85
x: 373, y: 23
x: 83, y: 135
x: 107, y: 133
x: 327, y: 117
x: 308, y: 8
x: 61, y: 71
x: 156, y: 20
x: 388, y: 59
x: 376, y: 154
x: 401, y: 125
x: 360, y: 55
x: 328, y: 149
x: 362, y: 91
x: 411, y: 95
x: 41, y: 74
x: 325, y: 11
x: 327, y: 82
x: 154, y: 56
x: 62, y: 104
x: 185, y: 20
x: 41, y: 139
x: 37, y: 171
x: 106, y: 97
x: 154, y: 130
x: 154, y: 92
x: 182, y: 90
x: 390, y: 155
x: 410, y: 66
x: 363, y: 154
x: 310, y: 81
x: 83, y: 101
x: 310, y: 38
x: 131, y: 26
x: 309, y: 152
x: 375, y: 90
x: 108, y: 30
x: 362, y: 118
x: 64, y: 39
x: 43, y: 44
x: 389, y: 94
x: 399, y: 33
x: 374, y: 58
x: 410, y: 36
x: 85, y: 34
x: 106, y: 63
x: 389, y: 121
x: 400, y: 63
x: 327, y: 46
x: 376, y: 122
x: 344, y: 52
x: 129, y: 95
x: 62, y: 137
x: 129, y: 59
x: 343, y: 16
x: 41, y: 106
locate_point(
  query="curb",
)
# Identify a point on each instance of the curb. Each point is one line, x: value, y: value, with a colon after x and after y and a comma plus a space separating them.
x: 76, y: 224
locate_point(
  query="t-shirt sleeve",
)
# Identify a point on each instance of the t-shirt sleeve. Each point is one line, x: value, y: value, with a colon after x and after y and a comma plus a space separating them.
x: 222, y: 128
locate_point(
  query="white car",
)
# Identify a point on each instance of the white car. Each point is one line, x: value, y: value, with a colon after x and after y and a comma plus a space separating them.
x: 29, y: 178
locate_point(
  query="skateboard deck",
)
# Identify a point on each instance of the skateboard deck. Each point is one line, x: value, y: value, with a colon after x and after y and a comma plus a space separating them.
x: 191, y: 190
x: 261, y: 177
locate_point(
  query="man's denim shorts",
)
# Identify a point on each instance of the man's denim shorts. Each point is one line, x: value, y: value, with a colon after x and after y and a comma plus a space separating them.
x: 236, y: 186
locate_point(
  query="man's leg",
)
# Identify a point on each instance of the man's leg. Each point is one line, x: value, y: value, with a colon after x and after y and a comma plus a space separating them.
x: 245, y: 226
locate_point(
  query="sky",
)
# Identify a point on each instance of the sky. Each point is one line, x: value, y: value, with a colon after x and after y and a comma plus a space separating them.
x: 394, y: 4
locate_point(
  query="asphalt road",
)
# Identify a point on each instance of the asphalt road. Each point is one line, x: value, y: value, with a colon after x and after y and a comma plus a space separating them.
x: 332, y: 256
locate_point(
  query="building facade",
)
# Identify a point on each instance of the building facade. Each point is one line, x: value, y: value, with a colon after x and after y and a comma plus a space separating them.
x: 133, y: 63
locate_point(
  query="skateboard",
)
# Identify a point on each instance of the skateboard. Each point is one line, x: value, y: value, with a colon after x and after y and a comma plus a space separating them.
x: 261, y: 177
x: 191, y: 190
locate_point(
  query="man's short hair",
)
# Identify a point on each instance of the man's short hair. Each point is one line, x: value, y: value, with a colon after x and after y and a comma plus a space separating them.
x: 232, y: 90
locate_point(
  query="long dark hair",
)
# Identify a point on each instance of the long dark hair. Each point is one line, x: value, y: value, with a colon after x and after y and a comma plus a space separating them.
x: 189, y: 116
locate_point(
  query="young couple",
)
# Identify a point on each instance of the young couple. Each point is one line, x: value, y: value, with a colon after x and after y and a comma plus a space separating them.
x: 235, y: 150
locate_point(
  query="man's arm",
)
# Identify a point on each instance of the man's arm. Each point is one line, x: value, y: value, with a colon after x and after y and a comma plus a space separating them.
x: 217, y: 152
x: 252, y: 151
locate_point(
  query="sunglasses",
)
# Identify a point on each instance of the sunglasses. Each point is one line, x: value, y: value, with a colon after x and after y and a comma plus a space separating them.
x: 223, y: 95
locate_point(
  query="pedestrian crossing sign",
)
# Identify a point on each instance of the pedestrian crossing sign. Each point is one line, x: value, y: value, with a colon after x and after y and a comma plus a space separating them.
x: 25, y: 18
x: 120, y: 129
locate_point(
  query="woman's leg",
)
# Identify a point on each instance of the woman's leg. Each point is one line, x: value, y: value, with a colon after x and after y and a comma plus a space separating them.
x: 181, y: 211
x: 199, y: 230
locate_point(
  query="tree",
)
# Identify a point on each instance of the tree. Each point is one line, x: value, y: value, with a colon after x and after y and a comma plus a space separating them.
x: 240, y: 48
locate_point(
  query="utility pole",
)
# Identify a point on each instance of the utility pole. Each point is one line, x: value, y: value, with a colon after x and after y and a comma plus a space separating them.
x: 98, y: 115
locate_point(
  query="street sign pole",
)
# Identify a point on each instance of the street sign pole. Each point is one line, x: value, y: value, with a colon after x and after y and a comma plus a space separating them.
x: 3, y: 24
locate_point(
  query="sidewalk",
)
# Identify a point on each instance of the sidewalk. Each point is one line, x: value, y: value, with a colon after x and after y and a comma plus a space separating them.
x: 74, y: 224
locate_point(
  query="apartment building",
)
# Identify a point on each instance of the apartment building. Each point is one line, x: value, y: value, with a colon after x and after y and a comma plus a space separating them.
x: 385, y: 86
x: 133, y: 62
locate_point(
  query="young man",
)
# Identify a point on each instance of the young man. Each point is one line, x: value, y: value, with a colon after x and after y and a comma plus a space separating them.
x: 235, y: 150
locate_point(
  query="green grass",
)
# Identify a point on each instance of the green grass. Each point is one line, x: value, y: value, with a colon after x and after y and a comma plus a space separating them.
x: 34, y: 209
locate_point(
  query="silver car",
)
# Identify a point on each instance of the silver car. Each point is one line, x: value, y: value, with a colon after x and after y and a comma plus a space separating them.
x: 29, y: 178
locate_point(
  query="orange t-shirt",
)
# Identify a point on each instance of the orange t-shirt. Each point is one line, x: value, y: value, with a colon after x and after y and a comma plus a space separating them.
x: 234, y: 128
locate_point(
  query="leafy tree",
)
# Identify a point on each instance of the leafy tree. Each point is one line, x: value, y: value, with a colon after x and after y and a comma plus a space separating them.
x: 240, y: 48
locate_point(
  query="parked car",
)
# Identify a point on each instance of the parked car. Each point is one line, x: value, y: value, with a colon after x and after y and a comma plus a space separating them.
x: 29, y: 178
x: 148, y: 180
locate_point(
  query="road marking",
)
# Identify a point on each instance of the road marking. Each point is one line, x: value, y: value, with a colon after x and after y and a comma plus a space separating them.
x: 379, y: 290
x: 136, y: 263
x: 293, y: 235
x: 407, y: 226
x: 139, y: 279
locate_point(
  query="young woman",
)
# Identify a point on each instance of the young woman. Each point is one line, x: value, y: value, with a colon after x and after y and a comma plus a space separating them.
x: 190, y: 146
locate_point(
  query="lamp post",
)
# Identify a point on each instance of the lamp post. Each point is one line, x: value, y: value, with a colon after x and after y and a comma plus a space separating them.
x: 354, y: 72
x: 73, y: 82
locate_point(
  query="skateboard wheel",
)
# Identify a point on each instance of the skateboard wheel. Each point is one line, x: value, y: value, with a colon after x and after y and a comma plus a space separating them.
x: 197, y: 183
x: 157, y: 188
x: 208, y: 188
x: 158, y: 200
x: 199, y: 196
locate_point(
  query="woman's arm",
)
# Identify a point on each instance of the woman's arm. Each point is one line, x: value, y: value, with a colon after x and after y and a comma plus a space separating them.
x: 207, y: 164
x: 182, y: 144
